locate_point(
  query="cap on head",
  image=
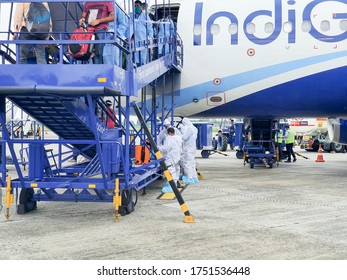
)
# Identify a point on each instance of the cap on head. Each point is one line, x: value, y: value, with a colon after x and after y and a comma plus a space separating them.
x: 287, y: 125
x: 108, y: 102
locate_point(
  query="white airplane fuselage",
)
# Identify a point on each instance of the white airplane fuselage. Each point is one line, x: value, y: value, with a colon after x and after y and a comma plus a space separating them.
x: 268, y: 58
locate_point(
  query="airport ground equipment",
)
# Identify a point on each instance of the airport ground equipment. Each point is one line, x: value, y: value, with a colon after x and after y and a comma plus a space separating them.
x: 260, y: 148
x: 226, y: 136
x: 257, y: 152
x: 207, y: 151
x: 204, y: 137
x: 69, y: 98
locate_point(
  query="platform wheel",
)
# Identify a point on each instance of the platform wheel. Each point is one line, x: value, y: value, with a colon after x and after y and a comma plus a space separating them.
x: 251, y: 163
x: 205, y: 154
x: 26, y: 202
x: 129, y: 201
x: 239, y: 155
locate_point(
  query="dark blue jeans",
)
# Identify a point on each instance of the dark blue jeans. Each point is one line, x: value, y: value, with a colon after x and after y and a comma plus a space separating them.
x: 99, y: 48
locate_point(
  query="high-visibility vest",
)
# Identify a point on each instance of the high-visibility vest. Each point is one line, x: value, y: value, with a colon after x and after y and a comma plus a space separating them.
x: 290, y: 136
x: 279, y: 137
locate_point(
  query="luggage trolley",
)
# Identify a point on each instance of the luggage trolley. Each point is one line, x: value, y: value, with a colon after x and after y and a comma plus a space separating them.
x: 259, y: 152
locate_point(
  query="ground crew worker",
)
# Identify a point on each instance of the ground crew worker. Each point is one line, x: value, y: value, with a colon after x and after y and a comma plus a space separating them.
x: 232, y: 133
x: 189, y: 135
x: 163, y: 134
x: 278, y: 143
x: 171, y: 151
x: 289, y: 137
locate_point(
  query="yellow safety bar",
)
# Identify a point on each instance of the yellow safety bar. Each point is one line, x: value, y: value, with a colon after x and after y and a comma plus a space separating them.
x: 117, y: 200
x: 8, y: 198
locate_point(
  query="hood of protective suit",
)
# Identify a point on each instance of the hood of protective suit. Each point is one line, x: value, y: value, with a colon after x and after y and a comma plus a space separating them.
x: 186, y: 121
x: 167, y: 122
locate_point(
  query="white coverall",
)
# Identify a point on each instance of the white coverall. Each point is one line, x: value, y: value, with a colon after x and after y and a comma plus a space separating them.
x: 163, y: 134
x: 189, y: 135
x: 171, y: 151
x: 143, y: 30
x: 120, y: 30
x: 165, y: 35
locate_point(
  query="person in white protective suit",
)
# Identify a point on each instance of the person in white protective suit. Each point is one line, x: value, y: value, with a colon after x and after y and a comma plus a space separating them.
x: 189, y: 134
x: 163, y: 134
x: 140, y: 29
x: 115, y: 33
x: 171, y: 151
x: 165, y: 35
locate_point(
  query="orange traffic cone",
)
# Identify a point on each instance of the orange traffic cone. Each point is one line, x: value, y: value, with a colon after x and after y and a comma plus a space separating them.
x: 320, y: 154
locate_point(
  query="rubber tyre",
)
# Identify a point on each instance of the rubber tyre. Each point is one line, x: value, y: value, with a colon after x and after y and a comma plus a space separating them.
x: 251, y: 163
x: 205, y: 154
x: 338, y: 148
x: 222, y: 142
x: 26, y: 203
x: 239, y: 155
x: 129, y: 201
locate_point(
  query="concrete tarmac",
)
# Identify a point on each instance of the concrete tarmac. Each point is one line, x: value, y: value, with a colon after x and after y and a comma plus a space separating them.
x: 294, y: 211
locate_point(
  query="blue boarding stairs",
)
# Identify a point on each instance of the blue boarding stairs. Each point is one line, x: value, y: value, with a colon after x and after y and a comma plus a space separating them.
x: 68, y: 98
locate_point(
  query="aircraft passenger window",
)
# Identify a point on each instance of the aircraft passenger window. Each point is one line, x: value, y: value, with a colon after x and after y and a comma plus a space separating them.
x: 250, y: 28
x: 343, y: 25
x: 215, y: 29
x: 325, y: 25
x: 197, y: 30
x: 306, y: 26
x: 287, y: 27
x: 269, y: 27
x: 232, y: 29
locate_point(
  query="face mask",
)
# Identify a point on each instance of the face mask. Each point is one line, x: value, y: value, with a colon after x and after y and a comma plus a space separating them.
x: 137, y: 10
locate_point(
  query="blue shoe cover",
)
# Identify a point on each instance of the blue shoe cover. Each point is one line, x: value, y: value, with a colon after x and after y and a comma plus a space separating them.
x: 167, y: 184
x: 185, y: 180
x: 167, y: 189
x: 195, y: 180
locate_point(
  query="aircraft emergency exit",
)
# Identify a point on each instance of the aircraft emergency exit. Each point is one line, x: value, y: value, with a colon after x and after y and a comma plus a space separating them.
x: 263, y: 59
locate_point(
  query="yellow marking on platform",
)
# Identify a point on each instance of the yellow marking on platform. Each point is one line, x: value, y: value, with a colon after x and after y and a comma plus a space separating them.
x: 92, y: 186
x: 33, y: 185
x: 101, y: 80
